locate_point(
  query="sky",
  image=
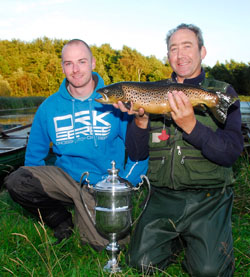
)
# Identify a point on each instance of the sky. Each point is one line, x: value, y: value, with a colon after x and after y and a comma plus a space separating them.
x: 139, y: 24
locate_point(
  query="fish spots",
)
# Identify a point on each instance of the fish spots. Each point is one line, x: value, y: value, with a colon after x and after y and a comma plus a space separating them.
x: 153, y: 97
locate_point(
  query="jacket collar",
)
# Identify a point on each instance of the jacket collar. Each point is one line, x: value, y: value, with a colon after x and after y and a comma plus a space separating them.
x: 194, y: 81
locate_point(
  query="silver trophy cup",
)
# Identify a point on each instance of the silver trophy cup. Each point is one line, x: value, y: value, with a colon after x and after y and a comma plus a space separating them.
x: 113, y: 218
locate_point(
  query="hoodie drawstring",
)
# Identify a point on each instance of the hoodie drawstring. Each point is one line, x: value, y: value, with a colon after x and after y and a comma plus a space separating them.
x: 91, y: 119
x: 73, y: 114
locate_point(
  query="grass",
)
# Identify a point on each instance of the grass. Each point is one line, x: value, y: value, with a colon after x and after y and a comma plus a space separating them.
x: 27, y: 245
x: 241, y: 216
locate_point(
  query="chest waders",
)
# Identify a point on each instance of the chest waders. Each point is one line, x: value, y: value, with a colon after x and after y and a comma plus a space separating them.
x: 190, y: 205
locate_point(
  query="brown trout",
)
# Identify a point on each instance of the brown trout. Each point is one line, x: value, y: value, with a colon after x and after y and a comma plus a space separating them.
x: 153, y: 97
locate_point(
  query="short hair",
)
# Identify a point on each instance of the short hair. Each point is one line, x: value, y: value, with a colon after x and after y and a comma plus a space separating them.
x: 75, y: 42
x: 190, y: 27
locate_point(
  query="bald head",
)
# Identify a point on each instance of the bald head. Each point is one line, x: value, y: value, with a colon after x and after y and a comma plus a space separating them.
x: 75, y: 42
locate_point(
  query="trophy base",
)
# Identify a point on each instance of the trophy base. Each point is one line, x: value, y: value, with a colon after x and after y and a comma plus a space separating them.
x: 112, y: 267
x: 113, y: 248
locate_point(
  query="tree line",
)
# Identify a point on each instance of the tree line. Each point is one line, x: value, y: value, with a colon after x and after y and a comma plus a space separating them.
x: 34, y: 68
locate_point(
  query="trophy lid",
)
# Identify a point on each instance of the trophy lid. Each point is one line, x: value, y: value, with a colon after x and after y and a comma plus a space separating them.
x: 112, y: 182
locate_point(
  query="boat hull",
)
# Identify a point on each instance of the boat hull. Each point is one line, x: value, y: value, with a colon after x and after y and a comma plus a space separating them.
x: 13, y: 144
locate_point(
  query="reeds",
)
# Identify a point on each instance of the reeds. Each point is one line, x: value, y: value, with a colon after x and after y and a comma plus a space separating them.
x: 8, y: 103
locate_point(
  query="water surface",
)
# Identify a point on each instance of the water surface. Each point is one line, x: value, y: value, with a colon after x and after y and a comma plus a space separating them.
x: 16, y: 117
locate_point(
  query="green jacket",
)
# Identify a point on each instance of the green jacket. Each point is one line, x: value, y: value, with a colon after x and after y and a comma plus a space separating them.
x: 175, y: 163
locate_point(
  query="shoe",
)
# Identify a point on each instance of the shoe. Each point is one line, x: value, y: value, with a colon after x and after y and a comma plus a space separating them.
x: 64, y: 230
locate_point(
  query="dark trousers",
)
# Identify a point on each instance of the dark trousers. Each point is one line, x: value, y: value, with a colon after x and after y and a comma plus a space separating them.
x: 198, y: 221
x: 50, y: 189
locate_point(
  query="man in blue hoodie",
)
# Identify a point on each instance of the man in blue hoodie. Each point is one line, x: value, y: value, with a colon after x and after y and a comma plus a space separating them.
x: 86, y: 136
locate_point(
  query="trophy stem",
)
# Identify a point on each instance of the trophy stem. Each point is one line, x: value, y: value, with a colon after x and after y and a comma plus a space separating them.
x: 114, y: 248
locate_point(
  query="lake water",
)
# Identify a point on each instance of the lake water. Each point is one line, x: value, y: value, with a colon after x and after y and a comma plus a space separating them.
x: 17, y: 117
x: 245, y: 112
x: 12, y: 118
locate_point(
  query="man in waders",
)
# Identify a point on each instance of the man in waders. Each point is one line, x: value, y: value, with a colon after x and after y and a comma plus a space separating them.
x: 190, y: 172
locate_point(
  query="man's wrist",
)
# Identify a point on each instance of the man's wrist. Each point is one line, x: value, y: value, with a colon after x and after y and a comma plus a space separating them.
x: 141, y: 121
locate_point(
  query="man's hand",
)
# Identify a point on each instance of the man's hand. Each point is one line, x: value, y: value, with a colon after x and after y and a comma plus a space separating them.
x: 182, y: 111
x: 141, y: 118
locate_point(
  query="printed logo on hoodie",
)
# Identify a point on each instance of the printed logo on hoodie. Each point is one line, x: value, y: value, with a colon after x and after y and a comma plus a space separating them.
x: 82, y: 125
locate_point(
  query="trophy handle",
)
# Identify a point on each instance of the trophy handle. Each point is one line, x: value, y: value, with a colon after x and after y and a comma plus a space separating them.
x: 82, y: 197
x: 148, y: 196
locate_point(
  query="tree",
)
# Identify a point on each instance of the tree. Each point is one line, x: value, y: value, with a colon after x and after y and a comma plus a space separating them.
x: 4, y: 87
x: 236, y: 74
x: 34, y: 68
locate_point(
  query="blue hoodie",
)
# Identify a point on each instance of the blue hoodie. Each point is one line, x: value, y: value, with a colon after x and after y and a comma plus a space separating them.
x: 86, y: 136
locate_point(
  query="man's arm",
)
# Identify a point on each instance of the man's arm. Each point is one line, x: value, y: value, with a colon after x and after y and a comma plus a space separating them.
x: 222, y: 146
x: 137, y: 142
x: 137, y: 135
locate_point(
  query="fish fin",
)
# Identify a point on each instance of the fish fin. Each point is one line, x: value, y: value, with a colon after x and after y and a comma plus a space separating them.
x: 127, y: 105
x: 221, y: 109
x: 201, y: 107
x: 168, y: 116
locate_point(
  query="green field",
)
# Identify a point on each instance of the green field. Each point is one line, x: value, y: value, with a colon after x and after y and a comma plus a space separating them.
x: 27, y: 250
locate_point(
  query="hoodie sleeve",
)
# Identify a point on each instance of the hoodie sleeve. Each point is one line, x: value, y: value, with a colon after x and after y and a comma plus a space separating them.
x: 134, y: 170
x: 225, y: 144
x: 38, y: 144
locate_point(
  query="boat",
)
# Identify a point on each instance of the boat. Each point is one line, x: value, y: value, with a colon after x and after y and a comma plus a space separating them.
x: 245, y: 126
x: 13, y: 144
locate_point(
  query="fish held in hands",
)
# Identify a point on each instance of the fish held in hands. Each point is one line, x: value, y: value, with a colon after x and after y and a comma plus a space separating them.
x: 153, y: 97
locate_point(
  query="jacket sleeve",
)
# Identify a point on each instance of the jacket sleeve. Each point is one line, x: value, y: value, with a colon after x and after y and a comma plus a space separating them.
x: 137, y: 142
x: 133, y: 169
x: 225, y: 144
x: 38, y: 144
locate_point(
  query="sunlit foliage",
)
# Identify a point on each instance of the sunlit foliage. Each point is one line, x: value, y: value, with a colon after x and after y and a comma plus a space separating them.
x: 34, y: 68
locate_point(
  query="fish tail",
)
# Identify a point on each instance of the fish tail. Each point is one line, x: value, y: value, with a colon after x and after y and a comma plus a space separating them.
x: 221, y: 109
